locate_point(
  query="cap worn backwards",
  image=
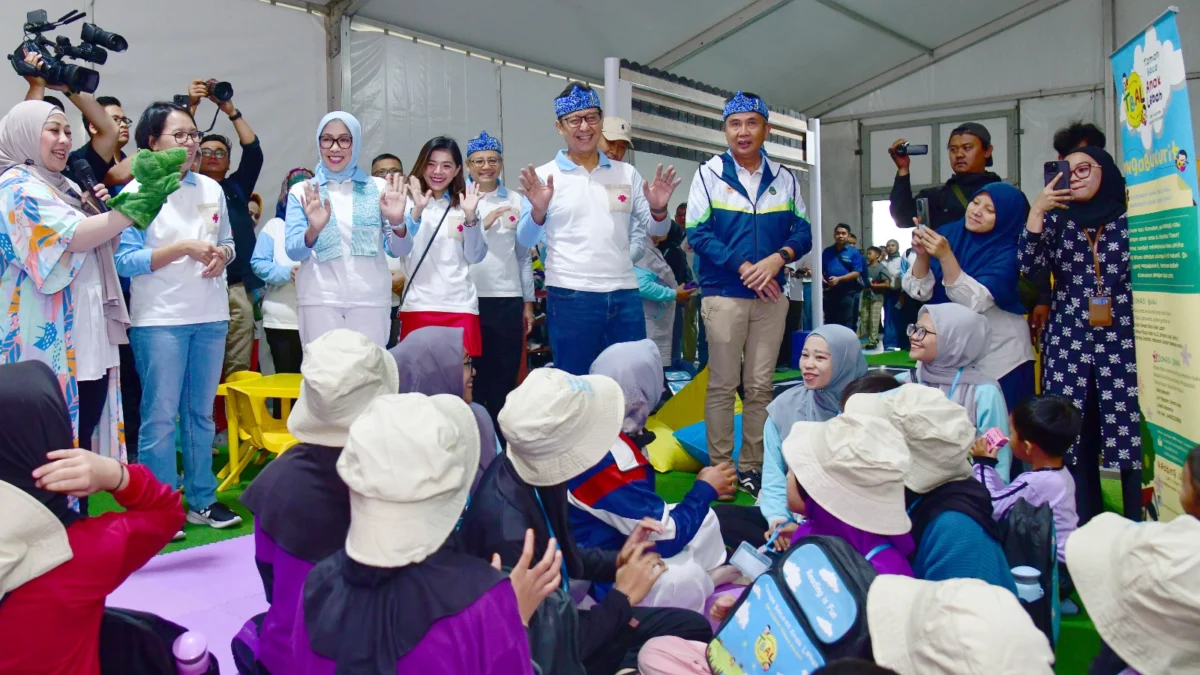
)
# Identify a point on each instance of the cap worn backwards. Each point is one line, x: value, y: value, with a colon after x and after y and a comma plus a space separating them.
x: 578, y: 99
x: 741, y: 103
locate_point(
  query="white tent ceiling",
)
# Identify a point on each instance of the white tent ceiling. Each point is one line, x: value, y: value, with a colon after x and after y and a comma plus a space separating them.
x: 808, y: 55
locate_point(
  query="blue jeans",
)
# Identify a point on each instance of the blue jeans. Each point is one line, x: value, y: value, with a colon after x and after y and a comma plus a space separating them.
x: 891, y: 338
x: 180, y: 368
x: 582, y: 324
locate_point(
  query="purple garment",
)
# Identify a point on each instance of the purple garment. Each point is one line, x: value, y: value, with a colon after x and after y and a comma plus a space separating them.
x: 891, y: 560
x: 283, y: 578
x: 1055, y: 487
x: 486, y: 638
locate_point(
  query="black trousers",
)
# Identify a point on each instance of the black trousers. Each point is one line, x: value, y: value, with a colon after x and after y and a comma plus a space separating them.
x: 131, y: 400
x: 286, y: 351
x: 839, y: 307
x: 1089, y: 500
x: 621, y: 651
x: 92, y: 396
x: 741, y: 523
x: 502, y: 325
x: 394, y: 330
x: 791, y: 325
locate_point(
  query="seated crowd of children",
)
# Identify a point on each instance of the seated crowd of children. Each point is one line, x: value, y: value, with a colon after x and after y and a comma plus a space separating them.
x: 406, y: 534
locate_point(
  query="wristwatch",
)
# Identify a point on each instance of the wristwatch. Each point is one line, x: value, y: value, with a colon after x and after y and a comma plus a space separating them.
x: 786, y: 254
x: 237, y: 115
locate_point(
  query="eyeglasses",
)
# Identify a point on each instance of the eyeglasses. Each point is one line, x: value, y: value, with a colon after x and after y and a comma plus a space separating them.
x: 384, y: 173
x: 343, y: 142
x: 468, y: 363
x: 918, y: 332
x: 592, y: 119
x: 219, y: 154
x: 488, y: 163
x: 122, y: 120
x: 182, y: 137
x: 1084, y: 170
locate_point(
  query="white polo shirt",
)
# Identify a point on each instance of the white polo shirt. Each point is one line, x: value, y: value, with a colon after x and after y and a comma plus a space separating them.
x: 176, y: 294
x: 506, y: 271
x: 595, y: 226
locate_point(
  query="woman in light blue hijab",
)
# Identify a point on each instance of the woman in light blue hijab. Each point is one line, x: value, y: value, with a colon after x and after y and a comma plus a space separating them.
x: 339, y: 227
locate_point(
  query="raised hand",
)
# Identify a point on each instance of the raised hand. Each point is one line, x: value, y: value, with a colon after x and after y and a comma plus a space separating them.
x: 315, y: 209
x: 1050, y: 199
x: 469, y: 201
x: 531, y: 585
x: 419, y: 200
x: 393, y: 200
x: 538, y: 193
x: 79, y: 473
x: 658, y: 191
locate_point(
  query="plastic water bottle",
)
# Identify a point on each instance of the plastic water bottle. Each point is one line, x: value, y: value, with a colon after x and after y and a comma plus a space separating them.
x: 191, y: 653
x: 1029, y: 587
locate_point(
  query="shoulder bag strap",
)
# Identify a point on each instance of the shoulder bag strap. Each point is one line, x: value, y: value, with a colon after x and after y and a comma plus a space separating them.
x: 408, y: 282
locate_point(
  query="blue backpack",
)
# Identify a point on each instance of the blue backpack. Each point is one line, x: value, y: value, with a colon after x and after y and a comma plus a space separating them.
x: 808, y: 609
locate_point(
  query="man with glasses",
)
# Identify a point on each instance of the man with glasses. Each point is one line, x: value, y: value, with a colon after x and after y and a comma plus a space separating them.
x: 594, y: 214
x: 104, y: 147
x: 386, y: 165
x: 238, y: 186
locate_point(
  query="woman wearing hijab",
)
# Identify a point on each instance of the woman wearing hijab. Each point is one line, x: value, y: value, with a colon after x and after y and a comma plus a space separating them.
x: 400, y: 599
x: 57, y: 277
x: 433, y: 361
x: 301, y: 507
x: 339, y: 227
x: 1080, y: 236
x: 271, y: 263
x: 443, y: 221
x: 949, y: 342
x: 831, y: 360
x: 51, y: 622
x: 611, y: 498
x: 973, y: 263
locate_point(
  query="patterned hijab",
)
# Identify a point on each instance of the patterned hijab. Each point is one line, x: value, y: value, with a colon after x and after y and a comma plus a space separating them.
x: 962, y: 340
x: 801, y: 404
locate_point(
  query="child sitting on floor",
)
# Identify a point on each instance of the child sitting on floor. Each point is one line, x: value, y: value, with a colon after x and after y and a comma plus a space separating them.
x: 1043, y: 429
x: 872, y: 383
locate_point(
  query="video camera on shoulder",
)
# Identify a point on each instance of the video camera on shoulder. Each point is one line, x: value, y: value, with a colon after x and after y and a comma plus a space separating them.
x: 94, y: 43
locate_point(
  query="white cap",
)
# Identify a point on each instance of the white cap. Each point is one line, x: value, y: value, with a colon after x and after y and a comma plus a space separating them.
x: 343, y: 371
x: 32, y: 540
x: 560, y: 425
x: 953, y: 627
x: 938, y: 432
x: 409, y: 462
x: 1140, y: 583
x: 853, y: 466
x: 617, y: 129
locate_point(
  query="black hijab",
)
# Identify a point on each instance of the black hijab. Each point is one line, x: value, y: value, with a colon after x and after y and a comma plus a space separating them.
x: 1109, y: 202
x: 672, y: 250
x: 367, y: 618
x: 33, y: 421
x: 968, y: 497
x: 301, y: 503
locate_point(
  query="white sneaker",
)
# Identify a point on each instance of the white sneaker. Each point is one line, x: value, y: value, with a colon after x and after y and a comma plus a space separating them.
x: 179, y: 536
x: 221, y: 439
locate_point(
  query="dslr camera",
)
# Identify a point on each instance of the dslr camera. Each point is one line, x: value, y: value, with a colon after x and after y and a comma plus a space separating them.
x: 222, y: 91
x: 94, y: 45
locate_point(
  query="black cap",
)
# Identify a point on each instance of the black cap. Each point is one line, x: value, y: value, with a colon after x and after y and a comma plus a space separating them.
x: 978, y: 131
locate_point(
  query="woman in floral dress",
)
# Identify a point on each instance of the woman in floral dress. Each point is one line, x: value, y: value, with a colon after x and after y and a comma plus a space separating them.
x: 1080, y: 236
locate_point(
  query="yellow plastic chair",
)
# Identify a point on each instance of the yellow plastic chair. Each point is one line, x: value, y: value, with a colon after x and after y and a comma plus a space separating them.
x: 263, y: 434
x: 231, y: 416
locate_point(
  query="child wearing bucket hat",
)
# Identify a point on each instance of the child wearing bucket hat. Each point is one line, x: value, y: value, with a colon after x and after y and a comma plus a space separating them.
x: 1139, y: 584
x: 397, y: 598
x: 952, y: 524
x: 558, y: 427
x: 953, y: 627
x: 301, y: 506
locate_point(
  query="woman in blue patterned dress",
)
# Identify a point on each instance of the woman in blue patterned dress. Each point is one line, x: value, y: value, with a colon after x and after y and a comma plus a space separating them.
x: 1080, y: 236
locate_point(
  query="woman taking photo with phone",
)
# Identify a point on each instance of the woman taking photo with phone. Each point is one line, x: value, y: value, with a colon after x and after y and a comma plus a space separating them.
x: 339, y: 226
x: 443, y: 223
x: 1080, y: 236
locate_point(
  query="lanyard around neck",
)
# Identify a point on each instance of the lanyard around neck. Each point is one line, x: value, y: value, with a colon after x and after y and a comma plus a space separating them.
x: 1094, y: 242
x: 565, y: 582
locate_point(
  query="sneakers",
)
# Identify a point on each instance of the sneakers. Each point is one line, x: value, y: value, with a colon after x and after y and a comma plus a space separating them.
x: 217, y: 516
x: 750, y: 481
x: 179, y: 536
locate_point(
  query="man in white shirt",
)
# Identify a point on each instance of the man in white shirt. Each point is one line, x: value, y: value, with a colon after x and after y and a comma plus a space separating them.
x: 594, y: 214
x: 503, y: 281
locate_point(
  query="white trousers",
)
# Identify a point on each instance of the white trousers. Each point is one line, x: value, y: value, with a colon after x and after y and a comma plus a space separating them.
x: 686, y: 584
x: 317, y: 320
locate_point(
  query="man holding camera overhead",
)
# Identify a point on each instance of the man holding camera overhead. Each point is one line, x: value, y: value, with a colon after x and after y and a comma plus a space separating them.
x: 970, y: 153
x: 214, y: 163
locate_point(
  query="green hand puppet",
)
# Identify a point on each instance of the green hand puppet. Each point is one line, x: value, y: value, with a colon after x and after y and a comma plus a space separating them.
x: 158, y: 176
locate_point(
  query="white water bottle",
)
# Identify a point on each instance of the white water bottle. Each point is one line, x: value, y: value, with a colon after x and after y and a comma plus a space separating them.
x: 1029, y: 587
x: 191, y: 653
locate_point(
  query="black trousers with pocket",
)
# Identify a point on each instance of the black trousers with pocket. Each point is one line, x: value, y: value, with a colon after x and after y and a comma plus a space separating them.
x: 502, y: 325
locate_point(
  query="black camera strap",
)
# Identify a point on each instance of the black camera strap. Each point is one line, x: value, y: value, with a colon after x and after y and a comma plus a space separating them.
x: 408, y: 283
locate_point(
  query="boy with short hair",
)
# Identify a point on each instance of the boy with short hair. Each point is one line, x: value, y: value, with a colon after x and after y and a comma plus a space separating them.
x: 1043, y: 429
x: 878, y: 282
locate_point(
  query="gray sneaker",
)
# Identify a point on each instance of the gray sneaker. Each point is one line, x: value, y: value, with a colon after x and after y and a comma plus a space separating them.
x: 218, y: 516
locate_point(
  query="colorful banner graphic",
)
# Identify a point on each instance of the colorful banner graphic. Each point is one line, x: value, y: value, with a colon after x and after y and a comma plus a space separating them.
x: 1159, y: 162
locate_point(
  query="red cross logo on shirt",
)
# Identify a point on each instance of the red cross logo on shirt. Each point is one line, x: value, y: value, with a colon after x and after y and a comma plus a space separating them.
x: 460, y: 228
x: 216, y: 218
x: 620, y: 198
x: 512, y: 219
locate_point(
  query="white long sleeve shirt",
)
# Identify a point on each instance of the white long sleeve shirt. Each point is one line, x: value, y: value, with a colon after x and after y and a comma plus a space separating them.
x: 507, y: 270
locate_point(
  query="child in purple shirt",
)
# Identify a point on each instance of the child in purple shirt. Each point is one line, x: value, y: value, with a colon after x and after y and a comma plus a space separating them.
x: 1043, y: 429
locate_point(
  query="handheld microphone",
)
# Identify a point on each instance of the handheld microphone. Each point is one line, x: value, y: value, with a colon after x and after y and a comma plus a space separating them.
x: 87, y: 180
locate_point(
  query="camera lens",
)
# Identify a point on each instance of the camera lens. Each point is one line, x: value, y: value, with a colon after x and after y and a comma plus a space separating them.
x: 902, y: 150
x: 223, y: 91
x: 96, y: 35
x: 77, y: 78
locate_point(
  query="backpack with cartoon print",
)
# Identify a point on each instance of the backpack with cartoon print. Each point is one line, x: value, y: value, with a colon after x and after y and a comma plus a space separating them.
x: 810, y: 608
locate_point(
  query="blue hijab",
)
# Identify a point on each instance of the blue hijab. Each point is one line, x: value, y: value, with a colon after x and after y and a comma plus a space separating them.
x: 989, y: 258
x: 323, y: 173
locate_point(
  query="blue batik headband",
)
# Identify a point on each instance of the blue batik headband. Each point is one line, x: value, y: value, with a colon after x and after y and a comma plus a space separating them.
x: 578, y: 99
x: 741, y: 103
x: 483, y: 142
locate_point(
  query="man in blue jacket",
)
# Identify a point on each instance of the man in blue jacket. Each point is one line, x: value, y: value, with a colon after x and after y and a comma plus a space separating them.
x: 745, y: 221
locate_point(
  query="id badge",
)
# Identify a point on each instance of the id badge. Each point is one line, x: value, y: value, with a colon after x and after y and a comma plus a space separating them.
x: 1100, y: 311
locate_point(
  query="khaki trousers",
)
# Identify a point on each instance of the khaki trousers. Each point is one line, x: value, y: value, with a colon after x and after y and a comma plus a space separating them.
x: 743, y: 344
x: 239, y: 341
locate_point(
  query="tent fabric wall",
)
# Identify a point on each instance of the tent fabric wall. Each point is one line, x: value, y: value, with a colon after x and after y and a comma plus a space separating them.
x: 273, y: 56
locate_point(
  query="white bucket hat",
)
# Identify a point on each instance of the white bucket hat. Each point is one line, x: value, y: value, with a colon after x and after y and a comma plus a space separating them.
x: 409, y: 462
x: 1140, y: 583
x: 938, y: 432
x: 32, y: 540
x: 953, y: 627
x: 853, y: 466
x: 343, y: 371
x: 559, y: 425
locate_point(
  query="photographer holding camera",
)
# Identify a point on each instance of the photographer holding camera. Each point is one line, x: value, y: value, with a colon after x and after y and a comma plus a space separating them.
x: 970, y: 153
x: 238, y: 186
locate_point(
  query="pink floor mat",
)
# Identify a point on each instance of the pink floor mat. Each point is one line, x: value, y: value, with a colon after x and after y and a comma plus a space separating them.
x: 213, y: 589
